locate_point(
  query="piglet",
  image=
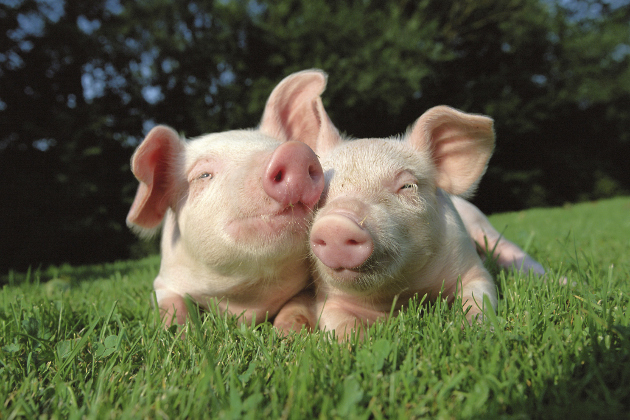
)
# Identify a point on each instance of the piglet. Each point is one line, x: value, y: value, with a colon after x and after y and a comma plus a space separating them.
x: 234, y: 208
x: 387, y: 229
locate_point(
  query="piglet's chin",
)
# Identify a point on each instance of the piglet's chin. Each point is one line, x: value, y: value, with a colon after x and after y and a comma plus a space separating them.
x: 344, y: 275
x: 352, y: 281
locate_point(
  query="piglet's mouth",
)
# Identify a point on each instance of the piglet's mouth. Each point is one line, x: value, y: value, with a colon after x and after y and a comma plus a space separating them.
x: 293, y: 213
x: 296, y: 210
x: 293, y: 218
x: 358, y: 277
x: 353, y: 280
x: 353, y: 273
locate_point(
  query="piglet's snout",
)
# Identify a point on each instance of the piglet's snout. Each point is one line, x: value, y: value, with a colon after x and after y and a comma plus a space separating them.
x: 294, y: 175
x: 340, y: 243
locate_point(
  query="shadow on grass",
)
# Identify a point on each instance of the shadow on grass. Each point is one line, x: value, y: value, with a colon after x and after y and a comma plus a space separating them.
x: 81, y: 273
x: 598, y: 387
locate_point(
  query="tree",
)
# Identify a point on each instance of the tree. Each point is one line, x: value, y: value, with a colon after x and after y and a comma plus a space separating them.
x: 55, y: 153
x: 526, y: 63
x: 82, y: 82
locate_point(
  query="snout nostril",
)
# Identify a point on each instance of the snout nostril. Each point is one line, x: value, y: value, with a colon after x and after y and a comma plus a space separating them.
x: 352, y: 242
x: 319, y: 242
x: 315, y: 176
x: 279, y: 176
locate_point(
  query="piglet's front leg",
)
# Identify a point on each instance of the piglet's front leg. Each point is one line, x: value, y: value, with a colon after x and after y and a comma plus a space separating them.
x: 310, y: 310
x: 297, y: 314
x: 476, y: 284
x: 347, y: 316
x: 172, y: 307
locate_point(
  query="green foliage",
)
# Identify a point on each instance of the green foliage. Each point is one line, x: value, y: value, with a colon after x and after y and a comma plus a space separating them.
x: 82, y: 82
x: 552, y: 350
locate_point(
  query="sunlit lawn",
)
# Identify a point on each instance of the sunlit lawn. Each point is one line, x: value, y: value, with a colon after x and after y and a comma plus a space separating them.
x: 88, y: 344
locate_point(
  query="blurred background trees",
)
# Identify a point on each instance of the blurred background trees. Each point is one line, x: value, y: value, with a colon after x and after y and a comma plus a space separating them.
x: 82, y: 82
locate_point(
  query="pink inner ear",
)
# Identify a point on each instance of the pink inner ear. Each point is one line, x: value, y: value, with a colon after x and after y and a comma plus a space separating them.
x: 289, y: 113
x: 151, y: 164
x: 298, y: 119
x: 294, y: 111
x: 460, y: 144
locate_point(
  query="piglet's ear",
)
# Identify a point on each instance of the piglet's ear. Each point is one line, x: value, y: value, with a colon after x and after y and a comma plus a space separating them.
x: 152, y: 164
x: 294, y: 111
x: 460, y: 145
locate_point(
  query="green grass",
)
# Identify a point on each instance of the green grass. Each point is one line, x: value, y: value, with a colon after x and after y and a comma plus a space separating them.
x: 88, y: 344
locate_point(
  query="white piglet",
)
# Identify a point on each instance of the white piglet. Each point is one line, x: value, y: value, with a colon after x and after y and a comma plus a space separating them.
x: 234, y: 208
x: 386, y: 228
